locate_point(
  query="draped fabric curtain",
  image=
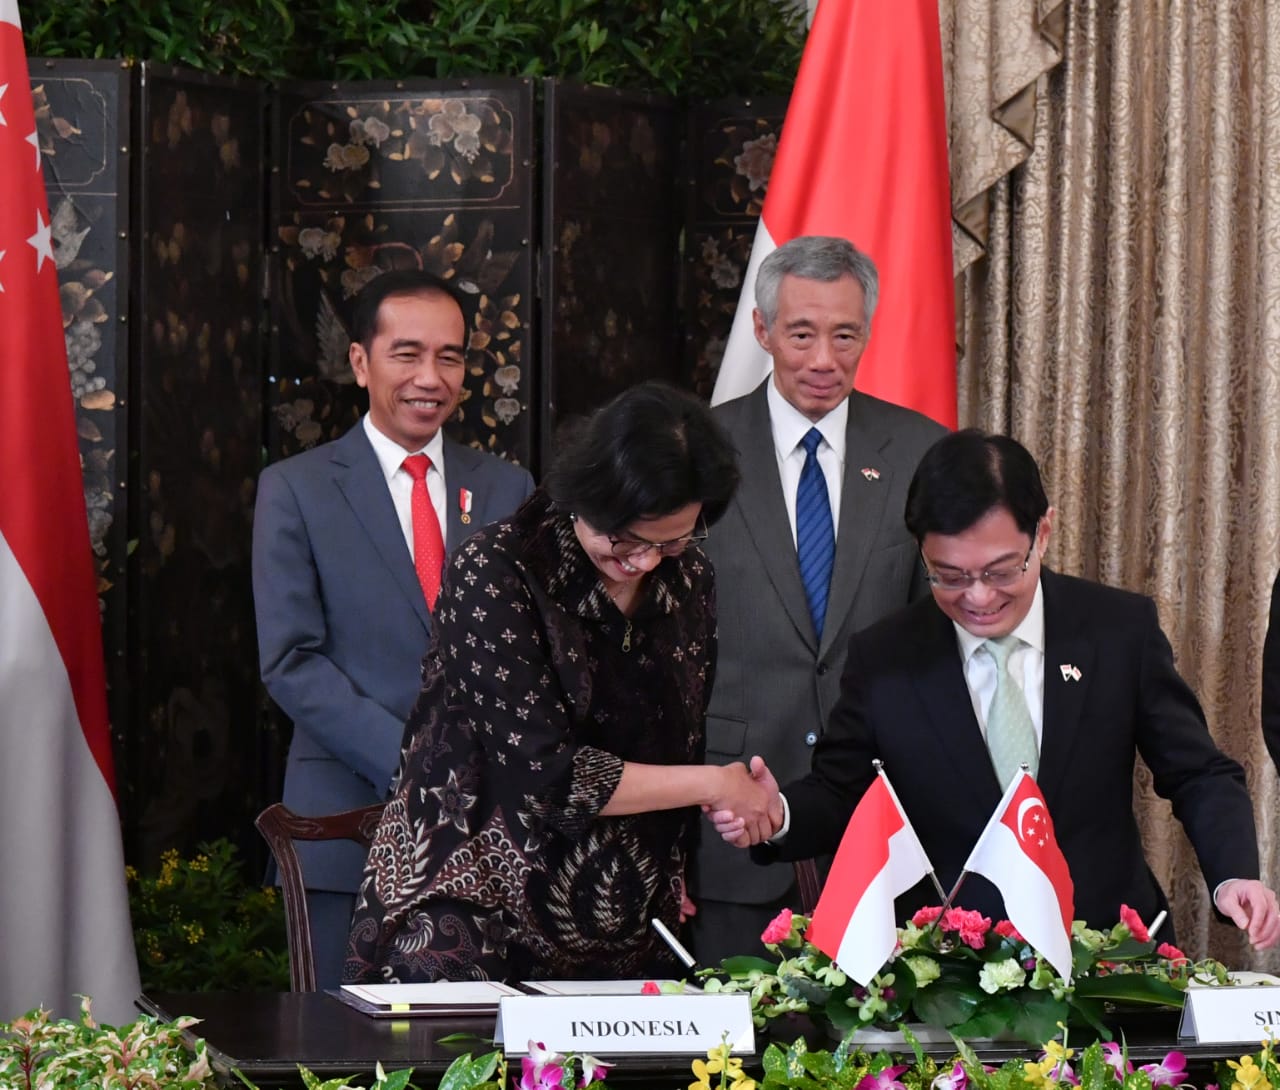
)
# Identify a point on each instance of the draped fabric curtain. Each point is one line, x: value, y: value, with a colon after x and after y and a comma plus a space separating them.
x: 1118, y: 249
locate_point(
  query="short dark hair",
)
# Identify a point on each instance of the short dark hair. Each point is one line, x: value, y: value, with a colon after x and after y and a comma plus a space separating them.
x: 968, y: 473
x: 364, y: 317
x: 650, y: 451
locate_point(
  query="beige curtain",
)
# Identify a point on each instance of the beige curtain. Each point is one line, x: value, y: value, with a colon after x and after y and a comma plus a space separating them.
x: 1120, y: 307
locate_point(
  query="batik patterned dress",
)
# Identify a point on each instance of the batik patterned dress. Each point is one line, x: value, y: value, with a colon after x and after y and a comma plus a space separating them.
x: 492, y: 859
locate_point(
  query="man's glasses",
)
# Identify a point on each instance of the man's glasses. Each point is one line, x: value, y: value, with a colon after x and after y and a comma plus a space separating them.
x: 992, y: 577
x: 631, y: 548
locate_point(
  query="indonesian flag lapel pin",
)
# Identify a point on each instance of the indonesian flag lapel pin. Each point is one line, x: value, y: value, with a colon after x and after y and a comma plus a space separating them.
x: 464, y: 504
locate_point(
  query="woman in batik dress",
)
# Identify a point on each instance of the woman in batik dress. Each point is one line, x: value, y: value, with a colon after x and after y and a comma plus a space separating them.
x: 552, y: 775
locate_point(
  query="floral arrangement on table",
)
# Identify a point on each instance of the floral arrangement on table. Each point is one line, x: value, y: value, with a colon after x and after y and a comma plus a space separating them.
x: 38, y: 1051
x: 956, y: 969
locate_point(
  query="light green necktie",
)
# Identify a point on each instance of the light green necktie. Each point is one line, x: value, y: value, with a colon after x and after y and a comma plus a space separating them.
x: 1011, y: 736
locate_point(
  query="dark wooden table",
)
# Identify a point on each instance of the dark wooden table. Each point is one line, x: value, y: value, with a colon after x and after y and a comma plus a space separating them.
x: 267, y: 1035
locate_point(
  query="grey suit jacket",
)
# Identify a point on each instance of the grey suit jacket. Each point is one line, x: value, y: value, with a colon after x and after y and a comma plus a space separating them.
x: 775, y: 684
x: 343, y: 624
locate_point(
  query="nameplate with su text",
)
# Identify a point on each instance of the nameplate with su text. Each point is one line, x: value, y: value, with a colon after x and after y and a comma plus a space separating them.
x: 610, y: 1025
x: 1244, y: 1013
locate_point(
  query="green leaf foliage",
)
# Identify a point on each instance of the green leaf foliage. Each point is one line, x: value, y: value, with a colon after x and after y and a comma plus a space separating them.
x: 199, y: 925
x: 687, y: 48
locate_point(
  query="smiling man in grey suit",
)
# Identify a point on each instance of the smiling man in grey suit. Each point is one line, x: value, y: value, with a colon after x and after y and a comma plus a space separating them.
x: 811, y: 550
x: 347, y: 558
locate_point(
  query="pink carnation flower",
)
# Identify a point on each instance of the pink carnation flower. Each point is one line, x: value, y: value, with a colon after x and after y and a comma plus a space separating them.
x: 1006, y: 930
x: 779, y: 929
x: 650, y: 988
x: 973, y: 926
x: 926, y: 916
x: 1165, y: 950
x: 1134, y: 923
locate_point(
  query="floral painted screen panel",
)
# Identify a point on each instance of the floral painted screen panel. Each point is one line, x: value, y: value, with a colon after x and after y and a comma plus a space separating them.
x: 82, y: 126
x: 731, y: 148
x: 197, y: 742
x: 611, y: 237
x: 374, y: 176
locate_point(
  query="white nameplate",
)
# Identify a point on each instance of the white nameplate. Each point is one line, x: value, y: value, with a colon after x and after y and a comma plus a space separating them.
x: 609, y: 1025
x: 1245, y: 1013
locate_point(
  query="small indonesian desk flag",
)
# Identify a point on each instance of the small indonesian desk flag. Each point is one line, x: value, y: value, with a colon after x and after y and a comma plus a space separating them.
x: 1019, y: 855
x: 880, y: 857
x: 64, y: 910
x: 863, y: 155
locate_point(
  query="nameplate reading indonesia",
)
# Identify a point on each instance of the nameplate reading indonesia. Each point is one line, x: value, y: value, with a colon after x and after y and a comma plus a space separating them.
x: 608, y: 1025
x: 1245, y: 1013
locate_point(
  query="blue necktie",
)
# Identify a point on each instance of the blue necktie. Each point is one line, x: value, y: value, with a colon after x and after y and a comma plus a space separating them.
x: 815, y: 533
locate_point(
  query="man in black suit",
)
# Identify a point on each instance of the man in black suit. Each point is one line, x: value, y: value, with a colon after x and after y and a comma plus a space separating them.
x: 1096, y: 685
x: 1271, y: 678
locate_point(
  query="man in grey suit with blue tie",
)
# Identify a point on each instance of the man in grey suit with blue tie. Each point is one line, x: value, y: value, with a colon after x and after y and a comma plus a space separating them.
x: 348, y: 551
x: 812, y: 549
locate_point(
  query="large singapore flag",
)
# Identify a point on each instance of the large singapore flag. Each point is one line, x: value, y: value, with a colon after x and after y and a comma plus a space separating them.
x: 1019, y: 854
x: 863, y: 155
x: 64, y: 911
x: 879, y: 858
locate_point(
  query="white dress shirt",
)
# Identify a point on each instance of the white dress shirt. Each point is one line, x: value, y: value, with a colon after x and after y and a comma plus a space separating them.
x: 391, y: 456
x: 1026, y: 666
x: 789, y: 426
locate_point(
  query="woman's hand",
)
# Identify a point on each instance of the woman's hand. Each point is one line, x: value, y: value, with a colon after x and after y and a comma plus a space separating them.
x: 746, y: 807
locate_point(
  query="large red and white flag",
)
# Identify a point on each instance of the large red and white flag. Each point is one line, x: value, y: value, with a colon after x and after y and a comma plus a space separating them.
x: 879, y: 858
x: 64, y: 910
x: 863, y: 155
x: 1019, y: 854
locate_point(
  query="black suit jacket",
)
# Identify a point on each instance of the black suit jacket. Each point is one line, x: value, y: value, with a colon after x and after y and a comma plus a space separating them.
x: 904, y: 700
x: 1271, y: 678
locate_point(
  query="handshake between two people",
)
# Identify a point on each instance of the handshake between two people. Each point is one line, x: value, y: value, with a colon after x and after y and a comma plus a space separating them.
x: 747, y: 808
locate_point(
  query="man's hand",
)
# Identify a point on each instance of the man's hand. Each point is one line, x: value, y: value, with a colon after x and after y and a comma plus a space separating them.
x: 1252, y: 908
x: 742, y: 828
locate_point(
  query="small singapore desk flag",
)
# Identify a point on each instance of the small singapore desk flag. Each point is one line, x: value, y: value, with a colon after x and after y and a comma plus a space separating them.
x: 1019, y: 854
x: 64, y: 910
x: 879, y: 858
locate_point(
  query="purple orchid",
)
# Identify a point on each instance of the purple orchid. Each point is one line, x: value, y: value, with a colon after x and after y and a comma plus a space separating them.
x: 593, y: 1070
x: 955, y: 1079
x: 1115, y: 1059
x: 542, y: 1069
x: 883, y: 1080
x: 1171, y: 1071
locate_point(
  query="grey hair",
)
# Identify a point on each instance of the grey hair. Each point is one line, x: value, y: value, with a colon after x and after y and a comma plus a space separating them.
x: 815, y: 257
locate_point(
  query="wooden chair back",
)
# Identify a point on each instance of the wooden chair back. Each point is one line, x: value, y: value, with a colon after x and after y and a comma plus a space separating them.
x: 280, y: 827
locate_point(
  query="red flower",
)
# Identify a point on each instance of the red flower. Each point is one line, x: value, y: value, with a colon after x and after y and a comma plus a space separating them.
x: 1171, y: 952
x: 926, y: 916
x: 1006, y: 930
x: 650, y: 988
x: 1134, y: 923
x: 973, y: 926
x: 779, y: 929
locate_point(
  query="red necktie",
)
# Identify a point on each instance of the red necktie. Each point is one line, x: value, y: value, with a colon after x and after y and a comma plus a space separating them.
x: 428, y: 544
